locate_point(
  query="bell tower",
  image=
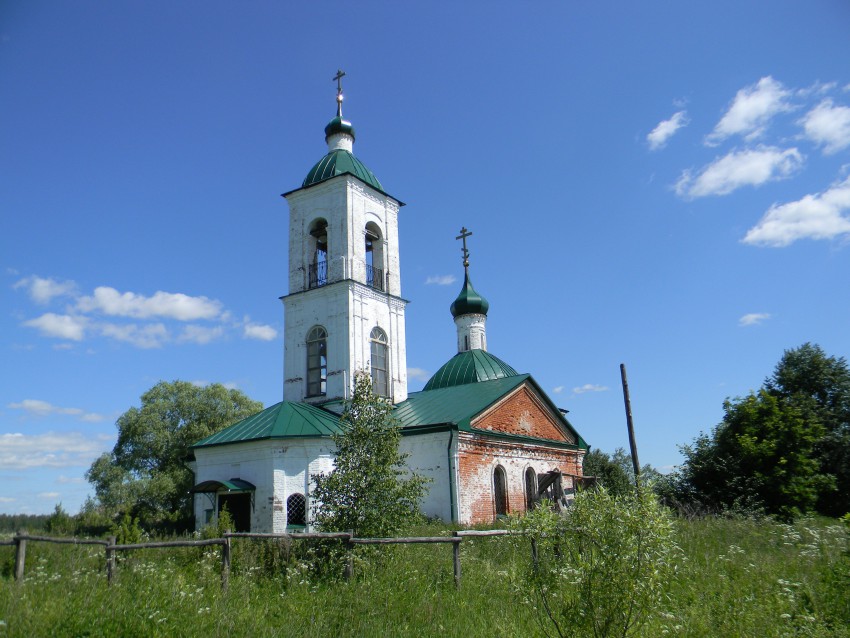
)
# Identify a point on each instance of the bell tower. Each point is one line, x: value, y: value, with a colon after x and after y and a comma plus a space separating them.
x: 344, y: 310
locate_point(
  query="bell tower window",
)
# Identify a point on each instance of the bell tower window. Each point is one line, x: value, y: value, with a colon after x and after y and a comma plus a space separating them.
x: 380, y: 376
x: 317, y: 362
x: 374, y: 257
x: 318, y: 266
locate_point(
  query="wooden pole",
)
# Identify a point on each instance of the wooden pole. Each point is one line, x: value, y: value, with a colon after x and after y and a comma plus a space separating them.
x: 20, y: 554
x: 225, y: 562
x: 630, y: 424
x: 456, y: 558
x: 349, y: 562
x: 110, y: 560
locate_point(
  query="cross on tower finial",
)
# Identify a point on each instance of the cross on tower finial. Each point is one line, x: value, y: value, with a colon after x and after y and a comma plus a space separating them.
x: 338, y: 78
x: 463, y: 235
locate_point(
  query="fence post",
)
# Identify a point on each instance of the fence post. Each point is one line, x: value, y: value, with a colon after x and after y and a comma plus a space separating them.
x: 456, y: 556
x: 349, y: 562
x: 20, y: 554
x: 110, y: 559
x: 534, y: 552
x: 225, y: 561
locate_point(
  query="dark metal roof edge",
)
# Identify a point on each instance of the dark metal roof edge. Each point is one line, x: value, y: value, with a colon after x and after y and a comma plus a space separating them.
x: 357, y: 177
x: 339, y: 281
x: 413, y: 430
x: 522, y: 439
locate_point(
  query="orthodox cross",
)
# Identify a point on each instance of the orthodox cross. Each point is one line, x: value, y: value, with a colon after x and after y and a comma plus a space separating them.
x: 338, y: 77
x: 463, y: 235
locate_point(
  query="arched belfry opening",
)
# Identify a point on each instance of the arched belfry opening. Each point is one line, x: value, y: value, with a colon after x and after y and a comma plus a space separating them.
x: 374, y: 253
x: 318, y: 243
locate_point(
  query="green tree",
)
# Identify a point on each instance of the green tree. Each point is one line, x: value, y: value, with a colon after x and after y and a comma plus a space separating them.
x: 145, y: 474
x: 760, y: 456
x: 369, y: 490
x: 818, y: 385
x: 601, y: 569
x: 616, y: 471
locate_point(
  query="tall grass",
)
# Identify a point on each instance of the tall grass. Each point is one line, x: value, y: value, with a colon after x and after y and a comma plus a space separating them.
x: 735, y: 578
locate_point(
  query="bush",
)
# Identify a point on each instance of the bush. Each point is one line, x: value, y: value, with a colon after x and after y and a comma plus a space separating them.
x: 603, y: 567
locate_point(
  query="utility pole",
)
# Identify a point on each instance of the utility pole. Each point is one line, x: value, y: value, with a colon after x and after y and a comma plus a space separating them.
x: 630, y: 424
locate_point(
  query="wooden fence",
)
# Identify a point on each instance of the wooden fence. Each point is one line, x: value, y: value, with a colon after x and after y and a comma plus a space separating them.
x: 21, y: 539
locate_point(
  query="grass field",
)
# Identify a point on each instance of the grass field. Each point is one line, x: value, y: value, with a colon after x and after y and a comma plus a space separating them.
x: 736, y: 577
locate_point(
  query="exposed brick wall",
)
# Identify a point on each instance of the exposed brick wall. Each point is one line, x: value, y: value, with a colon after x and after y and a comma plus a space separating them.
x: 479, y: 455
x: 523, y: 413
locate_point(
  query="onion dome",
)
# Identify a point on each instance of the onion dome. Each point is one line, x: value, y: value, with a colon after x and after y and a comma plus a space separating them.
x: 471, y: 366
x: 340, y: 162
x: 469, y: 302
x: 338, y: 125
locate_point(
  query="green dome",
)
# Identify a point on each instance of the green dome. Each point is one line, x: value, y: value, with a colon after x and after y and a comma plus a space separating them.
x: 469, y: 302
x: 471, y: 366
x: 340, y: 162
x: 338, y: 125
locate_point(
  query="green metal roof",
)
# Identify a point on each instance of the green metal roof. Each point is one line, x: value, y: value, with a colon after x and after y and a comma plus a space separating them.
x: 471, y: 366
x: 340, y: 162
x: 468, y: 301
x: 456, y: 406
x: 233, y: 485
x: 285, y: 419
x: 453, y: 404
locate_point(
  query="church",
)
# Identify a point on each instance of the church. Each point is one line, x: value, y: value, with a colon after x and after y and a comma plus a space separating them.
x: 489, y: 438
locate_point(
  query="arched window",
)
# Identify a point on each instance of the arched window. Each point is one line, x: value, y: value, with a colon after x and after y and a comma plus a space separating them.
x: 374, y: 257
x: 318, y: 266
x: 296, y: 510
x: 500, y: 491
x: 530, y: 489
x: 380, y: 369
x: 317, y: 361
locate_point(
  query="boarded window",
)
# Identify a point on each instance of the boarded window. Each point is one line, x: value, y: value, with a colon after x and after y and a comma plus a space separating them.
x: 500, y: 491
x: 317, y: 362
x: 296, y: 510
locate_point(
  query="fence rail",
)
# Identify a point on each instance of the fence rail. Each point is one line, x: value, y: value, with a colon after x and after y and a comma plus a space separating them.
x: 111, y: 547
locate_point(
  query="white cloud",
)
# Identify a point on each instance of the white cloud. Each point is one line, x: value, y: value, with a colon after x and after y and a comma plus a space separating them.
x: 148, y: 336
x: 657, y: 139
x: 828, y: 125
x: 162, y: 304
x: 59, y: 326
x: 751, y: 111
x: 41, y: 408
x: 440, y: 280
x: 819, y: 216
x: 751, y: 167
x: 7, y: 499
x: 52, y: 449
x: 48, y: 495
x: 558, y: 389
x: 753, y: 319
x: 200, y: 334
x: 418, y: 374
x: 41, y: 290
x: 589, y: 387
x: 259, y: 331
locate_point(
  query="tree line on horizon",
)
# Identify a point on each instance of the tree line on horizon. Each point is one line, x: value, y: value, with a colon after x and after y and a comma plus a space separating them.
x: 782, y: 450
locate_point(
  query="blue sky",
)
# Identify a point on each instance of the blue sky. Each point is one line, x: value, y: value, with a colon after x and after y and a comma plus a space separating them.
x: 660, y: 184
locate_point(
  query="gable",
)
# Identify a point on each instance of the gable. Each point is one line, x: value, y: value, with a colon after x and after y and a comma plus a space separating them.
x: 524, y: 413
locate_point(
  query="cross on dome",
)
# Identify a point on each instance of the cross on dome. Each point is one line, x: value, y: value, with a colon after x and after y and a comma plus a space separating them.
x: 338, y: 79
x: 463, y: 235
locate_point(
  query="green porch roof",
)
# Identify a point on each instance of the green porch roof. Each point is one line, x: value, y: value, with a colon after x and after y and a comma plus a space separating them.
x: 340, y: 162
x: 284, y: 419
x: 471, y: 366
